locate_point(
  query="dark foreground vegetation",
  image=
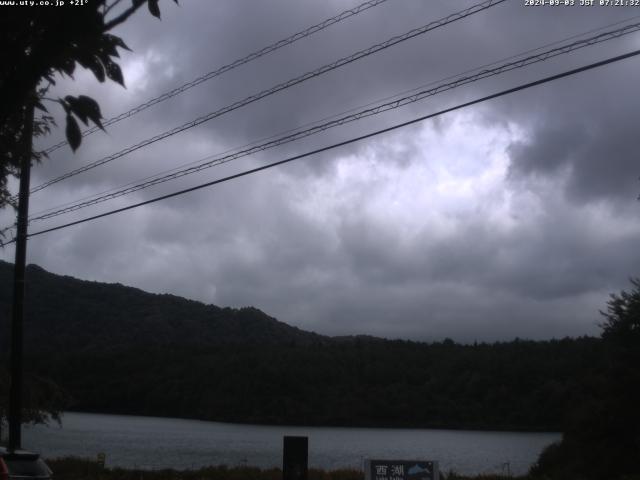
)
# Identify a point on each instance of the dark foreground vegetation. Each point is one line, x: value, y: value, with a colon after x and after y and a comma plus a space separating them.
x: 116, y: 349
x: 81, y: 469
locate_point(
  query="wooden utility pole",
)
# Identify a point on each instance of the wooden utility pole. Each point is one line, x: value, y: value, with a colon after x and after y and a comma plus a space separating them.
x: 17, y: 318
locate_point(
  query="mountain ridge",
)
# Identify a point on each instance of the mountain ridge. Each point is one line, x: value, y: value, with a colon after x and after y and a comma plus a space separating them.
x: 66, y: 312
x: 118, y: 349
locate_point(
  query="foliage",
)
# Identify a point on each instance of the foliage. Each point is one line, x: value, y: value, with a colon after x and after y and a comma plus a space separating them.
x: 73, y: 468
x: 510, y: 386
x: 44, y: 401
x: 602, y: 439
x: 38, y: 44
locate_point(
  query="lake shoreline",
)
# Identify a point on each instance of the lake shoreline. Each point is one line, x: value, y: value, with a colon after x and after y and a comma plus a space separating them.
x: 397, y: 426
x: 155, y: 443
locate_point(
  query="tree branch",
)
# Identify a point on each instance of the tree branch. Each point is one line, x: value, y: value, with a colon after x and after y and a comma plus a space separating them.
x: 123, y: 16
x: 107, y: 8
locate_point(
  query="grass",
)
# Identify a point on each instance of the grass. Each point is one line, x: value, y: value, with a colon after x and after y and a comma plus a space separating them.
x: 73, y: 468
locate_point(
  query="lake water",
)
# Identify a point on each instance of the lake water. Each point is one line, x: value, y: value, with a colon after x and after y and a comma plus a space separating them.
x: 153, y: 443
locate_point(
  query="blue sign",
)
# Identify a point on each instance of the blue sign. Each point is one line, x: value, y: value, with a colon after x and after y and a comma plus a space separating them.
x: 401, y: 470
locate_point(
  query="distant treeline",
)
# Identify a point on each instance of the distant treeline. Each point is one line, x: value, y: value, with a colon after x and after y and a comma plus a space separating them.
x: 118, y: 349
x: 516, y: 385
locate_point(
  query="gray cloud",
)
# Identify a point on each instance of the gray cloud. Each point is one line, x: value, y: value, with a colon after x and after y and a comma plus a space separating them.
x: 591, y: 138
x: 513, y: 218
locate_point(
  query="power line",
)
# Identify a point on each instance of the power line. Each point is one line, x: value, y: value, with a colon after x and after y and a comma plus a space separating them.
x: 400, y: 102
x: 281, y: 86
x: 540, y: 57
x: 226, y: 68
x: 336, y: 115
x: 347, y: 142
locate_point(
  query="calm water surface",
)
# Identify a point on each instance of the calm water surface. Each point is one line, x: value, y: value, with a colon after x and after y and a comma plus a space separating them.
x: 151, y: 443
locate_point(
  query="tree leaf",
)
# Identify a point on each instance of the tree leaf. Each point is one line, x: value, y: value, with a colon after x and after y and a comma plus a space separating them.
x: 154, y: 9
x: 40, y: 106
x: 91, y: 109
x: 108, y: 46
x: 85, y: 108
x: 92, y: 63
x: 74, y: 137
x: 114, y: 72
x: 68, y: 67
x: 117, y: 41
x: 76, y: 108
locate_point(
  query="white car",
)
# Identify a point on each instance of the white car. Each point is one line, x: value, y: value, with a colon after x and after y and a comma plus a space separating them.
x: 22, y: 465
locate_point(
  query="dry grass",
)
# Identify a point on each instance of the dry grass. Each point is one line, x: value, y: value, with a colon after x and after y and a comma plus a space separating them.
x: 72, y: 468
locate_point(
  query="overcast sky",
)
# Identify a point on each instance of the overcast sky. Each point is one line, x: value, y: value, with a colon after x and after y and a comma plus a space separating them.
x: 516, y: 217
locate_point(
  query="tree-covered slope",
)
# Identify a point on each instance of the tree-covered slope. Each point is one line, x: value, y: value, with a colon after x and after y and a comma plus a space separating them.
x: 66, y: 314
x: 515, y: 385
x: 121, y: 350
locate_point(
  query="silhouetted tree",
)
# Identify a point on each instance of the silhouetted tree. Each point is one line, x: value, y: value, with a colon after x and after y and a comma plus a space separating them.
x: 40, y: 42
x: 603, y: 438
x: 44, y: 400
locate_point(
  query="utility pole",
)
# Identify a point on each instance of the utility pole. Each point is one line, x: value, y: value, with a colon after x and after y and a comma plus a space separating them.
x: 17, y: 318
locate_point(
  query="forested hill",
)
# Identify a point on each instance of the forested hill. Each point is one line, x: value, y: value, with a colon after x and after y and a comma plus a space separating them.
x: 67, y: 314
x: 117, y: 349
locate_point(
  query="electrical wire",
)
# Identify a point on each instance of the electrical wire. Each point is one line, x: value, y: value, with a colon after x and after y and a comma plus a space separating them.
x: 540, y: 57
x: 336, y: 115
x: 347, y: 142
x: 226, y: 68
x: 281, y: 86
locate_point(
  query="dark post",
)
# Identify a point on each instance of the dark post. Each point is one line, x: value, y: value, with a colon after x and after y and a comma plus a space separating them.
x: 15, y: 391
x: 295, y: 457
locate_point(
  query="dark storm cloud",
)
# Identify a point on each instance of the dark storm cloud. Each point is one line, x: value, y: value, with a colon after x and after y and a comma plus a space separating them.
x: 514, y: 218
x: 592, y: 140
